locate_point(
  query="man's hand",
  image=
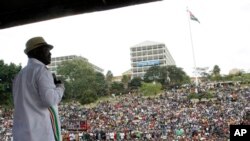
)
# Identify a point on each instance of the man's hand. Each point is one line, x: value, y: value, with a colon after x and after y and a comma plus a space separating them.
x: 55, y: 79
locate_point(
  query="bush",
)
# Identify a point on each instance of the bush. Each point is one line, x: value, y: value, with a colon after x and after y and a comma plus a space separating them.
x: 148, y: 89
x: 88, y: 97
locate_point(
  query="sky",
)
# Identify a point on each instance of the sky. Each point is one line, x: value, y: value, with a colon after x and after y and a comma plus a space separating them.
x: 221, y: 38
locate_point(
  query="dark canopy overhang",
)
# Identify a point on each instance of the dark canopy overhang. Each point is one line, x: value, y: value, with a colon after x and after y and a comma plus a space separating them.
x: 20, y: 12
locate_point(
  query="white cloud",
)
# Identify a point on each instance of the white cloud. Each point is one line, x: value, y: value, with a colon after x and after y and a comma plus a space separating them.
x: 105, y: 37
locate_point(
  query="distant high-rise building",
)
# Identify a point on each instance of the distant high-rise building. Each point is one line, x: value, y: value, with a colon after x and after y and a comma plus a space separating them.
x: 148, y: 54
x: 58, y: 60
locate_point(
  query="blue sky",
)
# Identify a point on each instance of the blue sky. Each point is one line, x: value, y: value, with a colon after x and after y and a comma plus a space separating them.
x: 104, y: 38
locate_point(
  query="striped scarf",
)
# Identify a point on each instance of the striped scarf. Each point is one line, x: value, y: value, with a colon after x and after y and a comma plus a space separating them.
x: 55, y: 123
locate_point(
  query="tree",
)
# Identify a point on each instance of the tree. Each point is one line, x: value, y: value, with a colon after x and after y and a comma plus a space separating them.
x: 216, y: 73
x: 216, y: 70
x: 240, y: 77
x: 117, y: 88
x: 109, y: 77
x: 135, y: 83
x: 125, y: 80
x: 7, y: 74
x: 166, y: 75
x: 203, y: 73
x: 80, y: 80
x: 152, y: 74
x: 101, y: 84
x: 176, y: 75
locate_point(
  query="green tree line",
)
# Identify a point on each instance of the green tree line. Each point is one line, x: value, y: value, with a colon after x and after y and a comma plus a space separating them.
x: 85, y: 85
x: 7, y: 74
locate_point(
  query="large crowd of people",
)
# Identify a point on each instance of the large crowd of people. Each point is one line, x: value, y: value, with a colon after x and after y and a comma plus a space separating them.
x: 169, y: 116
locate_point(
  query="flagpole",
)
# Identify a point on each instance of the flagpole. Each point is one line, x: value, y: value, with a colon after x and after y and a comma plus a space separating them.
x: 192, y: 45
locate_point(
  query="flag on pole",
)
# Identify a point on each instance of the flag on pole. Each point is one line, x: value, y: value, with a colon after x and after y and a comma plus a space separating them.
x: 192, y: 17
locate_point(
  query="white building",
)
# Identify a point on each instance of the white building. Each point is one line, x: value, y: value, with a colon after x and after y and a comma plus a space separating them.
x: 147, y: 54
x: 58, y: 60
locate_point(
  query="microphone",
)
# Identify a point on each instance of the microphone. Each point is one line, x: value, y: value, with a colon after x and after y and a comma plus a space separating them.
x: 55, y: 79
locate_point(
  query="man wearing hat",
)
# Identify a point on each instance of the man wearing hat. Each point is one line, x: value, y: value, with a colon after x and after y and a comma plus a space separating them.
x: 36, y: 96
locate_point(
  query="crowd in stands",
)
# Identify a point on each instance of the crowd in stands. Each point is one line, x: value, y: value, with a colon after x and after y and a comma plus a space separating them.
x: 169, y: 116
x: 6, y: 123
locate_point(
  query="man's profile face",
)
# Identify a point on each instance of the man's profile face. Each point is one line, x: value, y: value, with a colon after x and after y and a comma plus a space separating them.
x: 45, y: 55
